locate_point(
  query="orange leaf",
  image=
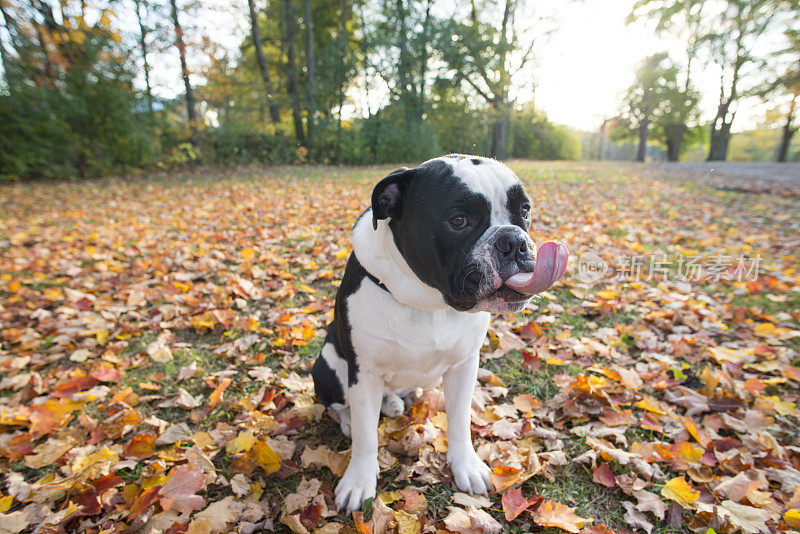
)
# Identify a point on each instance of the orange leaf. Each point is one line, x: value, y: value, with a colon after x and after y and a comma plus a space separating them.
x: 555, y: 514
x: 216, y: 395
x: 361, y: 526
x: 51, y: 415
x: 141, y: 446
x: 503, y: 477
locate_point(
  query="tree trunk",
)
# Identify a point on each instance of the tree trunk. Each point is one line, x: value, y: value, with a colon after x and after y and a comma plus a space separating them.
x: 143, y: 47
x: 255, y: 33
x: 788, y: 133
x: 311, y: 105
x: 4, y: 60
x: 423, y: 62
x: 291, y: 72
x: 190, y: 104
x: 49, y: 21
x: 340, y: 78
x: 498, y: 147
x: 644, y: 132
x: 720, y: 136
x: 674, y: 142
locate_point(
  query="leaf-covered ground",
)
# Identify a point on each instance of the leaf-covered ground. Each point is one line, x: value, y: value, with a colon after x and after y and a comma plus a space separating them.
x: 157, y: 336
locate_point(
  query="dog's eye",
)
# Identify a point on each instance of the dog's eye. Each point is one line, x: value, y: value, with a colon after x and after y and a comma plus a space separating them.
x: 458, y: 221
x: 526, y: 210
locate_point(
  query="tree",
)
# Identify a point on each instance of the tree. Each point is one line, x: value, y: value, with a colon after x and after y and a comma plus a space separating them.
x: 686, y: 20
x: 789, y: 83
x: 738, y: 27
x: 727, y: 31
x: 191, y: 111
x: 481, y: 55
x: 70, y: 107
x: 646, y: 98
x: 143, y: 48
x: 289, y: 38
x: 310, y: 73
x: 269, y: 93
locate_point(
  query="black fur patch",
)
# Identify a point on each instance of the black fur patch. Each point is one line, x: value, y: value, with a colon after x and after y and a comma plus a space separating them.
x: 339, y: 329
x: 476, y: 161
x: 326, y: 385
x: 516, y: 199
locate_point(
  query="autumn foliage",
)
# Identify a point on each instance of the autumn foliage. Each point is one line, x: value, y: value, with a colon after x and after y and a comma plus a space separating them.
x: 157, y: 337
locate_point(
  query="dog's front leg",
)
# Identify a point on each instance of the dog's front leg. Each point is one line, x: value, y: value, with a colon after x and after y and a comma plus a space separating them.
x: 469, y: 471
x: 360, y: 478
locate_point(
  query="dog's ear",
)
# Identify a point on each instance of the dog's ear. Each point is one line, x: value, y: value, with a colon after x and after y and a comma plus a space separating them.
x: 387, y: 197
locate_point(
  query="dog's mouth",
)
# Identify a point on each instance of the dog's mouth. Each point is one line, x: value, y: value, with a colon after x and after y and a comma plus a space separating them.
x: 551, y: 263
x: 509, y: 295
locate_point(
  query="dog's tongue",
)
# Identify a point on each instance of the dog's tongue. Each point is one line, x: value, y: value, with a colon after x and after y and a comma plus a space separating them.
x: 551, y: 263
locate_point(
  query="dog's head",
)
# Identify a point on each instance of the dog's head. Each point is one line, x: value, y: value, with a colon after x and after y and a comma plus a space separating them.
x: 461, y: 224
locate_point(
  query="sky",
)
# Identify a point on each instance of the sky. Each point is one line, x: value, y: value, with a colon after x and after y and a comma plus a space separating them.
x: 585, y: 67
x: 580, y: 72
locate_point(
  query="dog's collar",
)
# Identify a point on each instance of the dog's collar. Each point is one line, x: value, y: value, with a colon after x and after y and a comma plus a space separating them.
x: 377, y: 282
x: 373, y: 277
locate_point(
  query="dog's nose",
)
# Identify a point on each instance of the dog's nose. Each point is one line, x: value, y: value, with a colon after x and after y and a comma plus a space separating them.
x: 512, y: 245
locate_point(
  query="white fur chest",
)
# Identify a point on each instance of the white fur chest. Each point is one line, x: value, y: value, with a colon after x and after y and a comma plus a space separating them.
x: 408, y: 347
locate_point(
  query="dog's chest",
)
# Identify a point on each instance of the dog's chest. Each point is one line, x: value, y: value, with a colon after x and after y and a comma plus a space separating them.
x: 408, y: 347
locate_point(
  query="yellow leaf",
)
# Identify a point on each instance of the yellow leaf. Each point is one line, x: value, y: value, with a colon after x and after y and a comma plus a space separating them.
x: 678, y: 490
x: 256, y: 491
x: 765, y: 330
x: 155, y: 480
x: 650, y: 405
x: 248, y: 253
x: 781, y: 406
x: 101, y: 336
x: 724, y: 354
x: 242, y: 443
x: 95, y: 464
x: 607, y: 294
x: 265, y: 457
x: 5, y: 503
x: 792, y: 518
x: 341, y: 253
x: 53, y: 294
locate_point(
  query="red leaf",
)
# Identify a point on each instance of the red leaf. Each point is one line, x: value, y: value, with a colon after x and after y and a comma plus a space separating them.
x: 602, y: 475
x: 179, y: 491
x: 514, y: 503
x: 105, y: 374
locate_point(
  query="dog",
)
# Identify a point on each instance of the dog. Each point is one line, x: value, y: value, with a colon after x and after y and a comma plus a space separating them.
x: 441, y: 247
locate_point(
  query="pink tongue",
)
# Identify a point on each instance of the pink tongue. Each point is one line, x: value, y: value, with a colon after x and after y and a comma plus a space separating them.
x: 551, y: 263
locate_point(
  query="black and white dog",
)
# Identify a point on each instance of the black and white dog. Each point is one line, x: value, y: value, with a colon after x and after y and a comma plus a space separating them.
x: 443, y: 245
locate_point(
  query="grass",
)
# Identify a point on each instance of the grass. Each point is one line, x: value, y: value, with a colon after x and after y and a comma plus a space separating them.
x: 610, y: 218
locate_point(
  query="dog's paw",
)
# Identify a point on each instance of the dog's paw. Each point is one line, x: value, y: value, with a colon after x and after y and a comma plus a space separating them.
x: 393, y: 405
x: 344, y: 422
x: 470, y: 473
x: 358, y: 484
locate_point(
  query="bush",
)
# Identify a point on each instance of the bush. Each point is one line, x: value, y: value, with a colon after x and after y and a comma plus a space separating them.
x: 534, y: 137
